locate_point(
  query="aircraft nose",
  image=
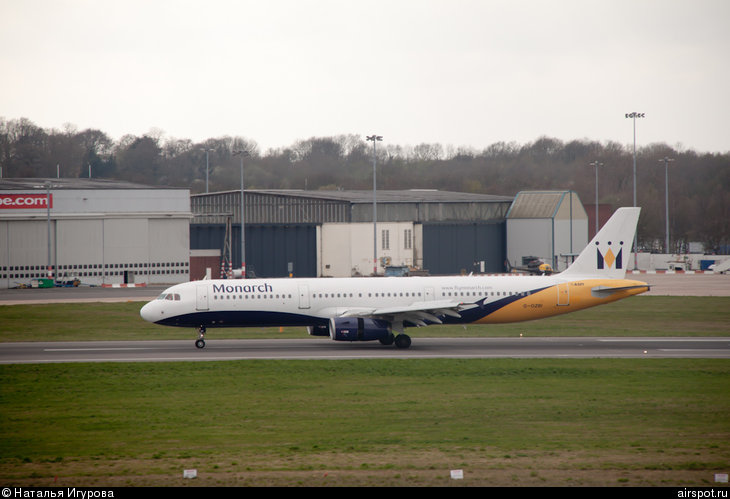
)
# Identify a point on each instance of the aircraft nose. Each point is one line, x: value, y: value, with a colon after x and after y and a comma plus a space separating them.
x: 148, y: 313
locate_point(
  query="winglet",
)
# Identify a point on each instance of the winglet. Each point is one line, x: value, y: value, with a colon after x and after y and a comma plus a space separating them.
x: 608, y: 253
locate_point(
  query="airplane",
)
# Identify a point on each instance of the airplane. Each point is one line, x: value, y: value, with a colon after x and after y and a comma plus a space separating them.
x: 380, y: 308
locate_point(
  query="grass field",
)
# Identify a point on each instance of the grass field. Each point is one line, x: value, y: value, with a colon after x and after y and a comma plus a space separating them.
x: 640, y: 422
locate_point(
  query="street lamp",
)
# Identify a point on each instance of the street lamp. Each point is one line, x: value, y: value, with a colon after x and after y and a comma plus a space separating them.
x: 243, y: 154
x: 633, y: 116
x: 49, y: 272
x: 666, y: 198
x: 206, y: 167
x: 374, y: 139
x: 596, y: 164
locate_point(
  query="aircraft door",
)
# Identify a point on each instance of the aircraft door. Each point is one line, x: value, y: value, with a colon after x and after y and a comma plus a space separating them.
x: 201, y: 298
x: 428, y: 294
x: 563, y: 295
x: 303, y: 296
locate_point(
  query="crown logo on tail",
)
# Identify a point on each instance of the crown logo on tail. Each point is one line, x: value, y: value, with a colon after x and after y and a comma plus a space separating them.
x: 607, y: 260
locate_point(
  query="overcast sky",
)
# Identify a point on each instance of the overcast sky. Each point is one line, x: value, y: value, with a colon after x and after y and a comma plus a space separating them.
x: 454, y: 72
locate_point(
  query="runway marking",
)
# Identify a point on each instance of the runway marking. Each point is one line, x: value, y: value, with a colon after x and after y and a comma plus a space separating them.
x: 109, y: 349
x: 665, y: 340
x: 692, y: 350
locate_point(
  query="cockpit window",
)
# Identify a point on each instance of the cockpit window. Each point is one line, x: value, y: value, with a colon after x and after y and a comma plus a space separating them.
x: 169, y: 296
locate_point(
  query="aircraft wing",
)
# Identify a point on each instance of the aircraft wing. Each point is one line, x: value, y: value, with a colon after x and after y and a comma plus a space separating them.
x: 417, y: 313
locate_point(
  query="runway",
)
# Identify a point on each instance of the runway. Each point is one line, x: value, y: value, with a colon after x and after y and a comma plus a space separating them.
x: 323, y: 349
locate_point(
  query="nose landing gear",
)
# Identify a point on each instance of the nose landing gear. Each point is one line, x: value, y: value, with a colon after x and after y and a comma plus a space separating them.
x: 200, y: 342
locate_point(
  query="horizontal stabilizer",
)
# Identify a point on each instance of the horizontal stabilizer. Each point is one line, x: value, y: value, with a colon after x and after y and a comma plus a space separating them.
x: 603, y: 291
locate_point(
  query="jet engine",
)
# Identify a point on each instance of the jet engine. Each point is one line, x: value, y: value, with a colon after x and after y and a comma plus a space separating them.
x: 359, y: 329
x: 318, y: 330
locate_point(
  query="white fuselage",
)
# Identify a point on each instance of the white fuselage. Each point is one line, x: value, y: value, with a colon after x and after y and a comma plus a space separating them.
x: 310, y: 302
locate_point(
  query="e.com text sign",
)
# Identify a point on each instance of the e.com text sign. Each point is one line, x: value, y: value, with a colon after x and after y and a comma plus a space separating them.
x: 25, y: 201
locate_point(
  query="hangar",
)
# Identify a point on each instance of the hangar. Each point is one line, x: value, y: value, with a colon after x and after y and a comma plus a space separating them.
x: 101, y: 232
x: 550, y: 225
x: 331, y: 233
x: 106, y: 232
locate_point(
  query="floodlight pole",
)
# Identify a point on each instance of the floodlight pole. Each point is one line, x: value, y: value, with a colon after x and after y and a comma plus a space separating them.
x: 243, y: 154
x: 374, y: 139
x: 48, y: 226
x: 633, y: 116
x: 207, y: 168
x: 666, y: 199
x: 596, y: 164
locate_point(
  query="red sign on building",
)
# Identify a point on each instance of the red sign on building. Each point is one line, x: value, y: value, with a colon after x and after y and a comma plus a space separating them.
x: 25, y: 201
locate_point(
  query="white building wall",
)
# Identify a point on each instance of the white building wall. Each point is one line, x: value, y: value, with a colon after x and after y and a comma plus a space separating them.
x: 104, y: 236
x: 335, y: 250
x: 79, y: 249
x: 545, y: 238
x: 529, y: 237
x: 120, y: 201
x: 126, y: 240
x: 23, y: 251
x: 563, y: 246
x: 347, y: 249
x: 169, y: 245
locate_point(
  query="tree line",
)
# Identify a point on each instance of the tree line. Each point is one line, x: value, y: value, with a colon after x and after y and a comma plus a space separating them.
x: 699, y: 183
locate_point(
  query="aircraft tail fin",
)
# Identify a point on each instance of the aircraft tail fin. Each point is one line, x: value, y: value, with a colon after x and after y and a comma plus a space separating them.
x: 608, y: 254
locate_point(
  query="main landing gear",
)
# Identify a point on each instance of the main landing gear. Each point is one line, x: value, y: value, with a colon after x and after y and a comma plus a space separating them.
x: 400, y: 340
x: 200, y: 342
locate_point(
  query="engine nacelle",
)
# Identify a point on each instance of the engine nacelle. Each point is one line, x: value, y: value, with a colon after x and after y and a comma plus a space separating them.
x: 359, y: 329
x: 318, y: 330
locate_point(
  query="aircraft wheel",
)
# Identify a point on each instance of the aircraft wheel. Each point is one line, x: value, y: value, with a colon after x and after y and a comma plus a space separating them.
x: 388, y: 340
x: 402, y: 341
x: 200, y: 343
